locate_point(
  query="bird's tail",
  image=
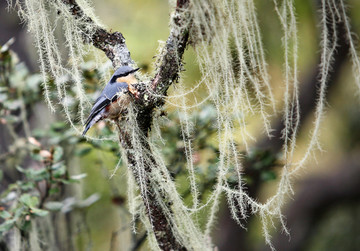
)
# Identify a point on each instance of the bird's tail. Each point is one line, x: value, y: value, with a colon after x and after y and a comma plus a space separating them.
x: 90, y: 123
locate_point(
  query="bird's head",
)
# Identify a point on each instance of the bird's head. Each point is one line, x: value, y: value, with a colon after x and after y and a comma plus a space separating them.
x: 123, y: 73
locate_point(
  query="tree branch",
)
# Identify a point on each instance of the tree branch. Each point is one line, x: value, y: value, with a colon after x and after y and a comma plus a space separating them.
x: 113, y: 44
x: 160, y: 224
x: 170, y: 65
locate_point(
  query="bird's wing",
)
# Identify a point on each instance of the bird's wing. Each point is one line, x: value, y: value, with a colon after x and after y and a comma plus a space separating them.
x: 108, y: 95
x: 101, y: 103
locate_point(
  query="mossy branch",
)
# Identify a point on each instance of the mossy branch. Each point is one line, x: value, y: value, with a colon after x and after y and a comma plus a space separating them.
x: 157, y: 217
x: 170, y: 65
x: 113, y: 44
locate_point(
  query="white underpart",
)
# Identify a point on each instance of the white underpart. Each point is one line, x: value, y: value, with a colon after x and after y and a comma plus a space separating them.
x: 98, y: 117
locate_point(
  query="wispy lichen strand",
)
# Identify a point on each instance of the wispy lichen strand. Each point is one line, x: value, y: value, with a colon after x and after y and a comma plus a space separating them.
x: 223, y: 29
x: 43, y: 18
x: 227, y: 39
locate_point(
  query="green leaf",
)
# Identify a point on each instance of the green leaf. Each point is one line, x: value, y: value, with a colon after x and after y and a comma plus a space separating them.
x: 5, y: 214
x: 36, y: 155
x: 20, y: 169
x: 37, y: 175
x: 57, y: 166
x: 39, y: 212
x: 19, y: 211
x: 28, y: 200
x: 268, y: 175
x: 68, y: 181
x: 39, y: 133
x: 57, y: 126
x: 58, y: 153
x: 54, y: 190
x: 59, y: 172
x: 26, y: 186
x: 25, y: 225
x: 7, y: 225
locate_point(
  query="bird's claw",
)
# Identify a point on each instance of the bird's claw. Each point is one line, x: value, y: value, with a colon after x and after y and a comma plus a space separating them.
x: 134, y: 91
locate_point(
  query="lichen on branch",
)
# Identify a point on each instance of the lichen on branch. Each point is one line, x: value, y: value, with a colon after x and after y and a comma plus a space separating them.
x: 227, y: 39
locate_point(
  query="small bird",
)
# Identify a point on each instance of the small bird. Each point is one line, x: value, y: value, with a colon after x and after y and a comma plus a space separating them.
x: 113, y: 98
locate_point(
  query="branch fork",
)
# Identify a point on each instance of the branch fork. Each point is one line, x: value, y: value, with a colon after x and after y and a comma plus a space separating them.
x: 146, y: 98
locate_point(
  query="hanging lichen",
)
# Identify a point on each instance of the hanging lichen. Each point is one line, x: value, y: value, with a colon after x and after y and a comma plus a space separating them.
x: 227, y: 39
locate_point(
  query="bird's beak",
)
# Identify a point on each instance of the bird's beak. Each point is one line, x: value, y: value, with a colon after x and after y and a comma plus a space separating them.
x: 135, y: 70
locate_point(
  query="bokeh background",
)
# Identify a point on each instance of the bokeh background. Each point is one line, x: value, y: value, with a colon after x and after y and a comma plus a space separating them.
x: 324, y: 213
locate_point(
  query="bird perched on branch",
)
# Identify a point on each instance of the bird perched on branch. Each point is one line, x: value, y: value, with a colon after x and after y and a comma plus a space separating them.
x: 113, y: 98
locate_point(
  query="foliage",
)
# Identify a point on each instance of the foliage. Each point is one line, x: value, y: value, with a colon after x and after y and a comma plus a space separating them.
x: 258, y: 164
x: 41, y: 158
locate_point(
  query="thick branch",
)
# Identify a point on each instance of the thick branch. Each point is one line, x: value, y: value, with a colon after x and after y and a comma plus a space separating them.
x: 113, y: 44
x: 170, y: 65
x: 161, y: 226
x: 167, y: 73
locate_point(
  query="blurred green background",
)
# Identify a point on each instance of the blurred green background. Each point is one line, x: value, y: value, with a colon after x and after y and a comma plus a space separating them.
x: 330, y: 221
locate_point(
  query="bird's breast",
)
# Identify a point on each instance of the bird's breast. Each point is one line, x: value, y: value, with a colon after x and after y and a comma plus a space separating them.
x: 116, y: 107
x: 130, y: 80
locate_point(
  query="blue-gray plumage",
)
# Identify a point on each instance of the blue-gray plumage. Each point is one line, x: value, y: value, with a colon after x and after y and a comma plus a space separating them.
x: 113, y: 97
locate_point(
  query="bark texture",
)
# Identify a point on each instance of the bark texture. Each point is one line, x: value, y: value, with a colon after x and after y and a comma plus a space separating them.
x: 113, y: 45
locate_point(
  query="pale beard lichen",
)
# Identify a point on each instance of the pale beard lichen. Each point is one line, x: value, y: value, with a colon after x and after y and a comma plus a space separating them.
x: 222, y: 32
x: 43, y: 18
x: 217, y: 29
